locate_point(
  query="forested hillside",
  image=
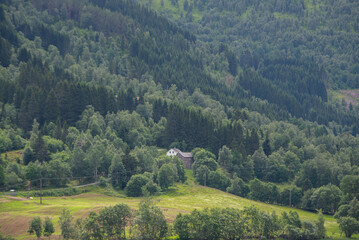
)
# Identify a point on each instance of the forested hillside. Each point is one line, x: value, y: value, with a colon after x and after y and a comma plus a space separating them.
x: 298, y: 49
x: 96, y: 91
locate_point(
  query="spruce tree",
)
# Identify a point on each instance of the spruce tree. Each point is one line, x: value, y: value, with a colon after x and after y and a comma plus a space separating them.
x: 52, y: 110
x: 266, y: 146
x: 40, y: 150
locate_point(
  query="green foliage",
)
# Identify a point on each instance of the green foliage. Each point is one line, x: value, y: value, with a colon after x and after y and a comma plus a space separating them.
x: 167, y: 175
x: 225, y: 158
x: 202, y: 174
x: 204, y: 158
x: 5, y: 142
x: 231, y: 223
x: 219, y: 180
x: 238, y: 187
x: 134, y: 186
x: 33, y: 171
x: 53, y: 145
x: 92, y: 112
x: 350, y: 186
x: 14, y: 175
x: 260, y: 161
x: 66, y: 224
x: 181, y: 174
x: 319, y: 172
x: 297, y: 229
x: 276, y: 170
x: 58, y: 171
x: 326, y: 198
x: 2, y: 176
x: 291, y: 194
x: 150, y: 221
x: 320, y: 226
x: 110, y: 223
x: 349, y: 210
x: 266, y: 192
x: 40, y: 150
x: 349, y: 226
x: 48, y: 227
x: 117, y: 172
x: 36, y: 227
x: 114, y: 220
x: 144, y: 157
x: 210, y: 224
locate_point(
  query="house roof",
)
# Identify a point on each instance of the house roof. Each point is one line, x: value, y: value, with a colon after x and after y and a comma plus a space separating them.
x: 184, y: 154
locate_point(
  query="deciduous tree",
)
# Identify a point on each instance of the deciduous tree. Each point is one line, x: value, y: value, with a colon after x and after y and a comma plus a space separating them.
x: 36, y: 227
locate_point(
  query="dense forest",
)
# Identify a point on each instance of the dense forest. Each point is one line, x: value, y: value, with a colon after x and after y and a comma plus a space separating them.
x: 289, y: 53
x: 97, y: 91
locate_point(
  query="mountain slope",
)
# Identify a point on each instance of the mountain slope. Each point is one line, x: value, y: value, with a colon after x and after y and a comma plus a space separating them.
x: 301, y: 48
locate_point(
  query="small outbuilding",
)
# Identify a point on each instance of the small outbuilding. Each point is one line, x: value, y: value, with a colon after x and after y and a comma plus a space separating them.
x: 186, y: 157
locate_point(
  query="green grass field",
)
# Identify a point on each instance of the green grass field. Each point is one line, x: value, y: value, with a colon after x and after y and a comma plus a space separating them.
x: 16, y: 212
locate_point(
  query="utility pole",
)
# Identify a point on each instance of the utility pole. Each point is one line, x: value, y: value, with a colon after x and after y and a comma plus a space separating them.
x: 96, y: 175
x: 291, y: 186
x: 205, y: 178
x: 40, y: 190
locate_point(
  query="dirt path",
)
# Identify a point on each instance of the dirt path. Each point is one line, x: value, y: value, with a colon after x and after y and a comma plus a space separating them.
x: 16, y: 198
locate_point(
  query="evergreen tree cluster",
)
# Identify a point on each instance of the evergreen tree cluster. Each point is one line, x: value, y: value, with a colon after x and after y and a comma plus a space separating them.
x: 198, y: 130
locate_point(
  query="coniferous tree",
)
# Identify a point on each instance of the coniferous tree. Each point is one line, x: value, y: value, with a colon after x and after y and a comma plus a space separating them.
x: 130, y: 164
x: 52, y: 110
x: 40, y: 150
x: 266, y: 146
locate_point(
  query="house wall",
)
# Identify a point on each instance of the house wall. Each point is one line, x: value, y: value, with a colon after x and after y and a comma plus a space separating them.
x: 187, y: 161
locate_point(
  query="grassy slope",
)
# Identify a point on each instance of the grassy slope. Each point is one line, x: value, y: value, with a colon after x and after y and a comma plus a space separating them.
x: 12, y: 155
x: 15, y: 214
x: 350, y: 96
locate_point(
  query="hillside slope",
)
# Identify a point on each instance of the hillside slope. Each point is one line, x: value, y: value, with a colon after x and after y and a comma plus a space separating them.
x: 17, y: 212
x: 298, y: 49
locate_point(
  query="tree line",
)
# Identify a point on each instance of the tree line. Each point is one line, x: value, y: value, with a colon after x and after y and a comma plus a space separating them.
x: 148, y: 222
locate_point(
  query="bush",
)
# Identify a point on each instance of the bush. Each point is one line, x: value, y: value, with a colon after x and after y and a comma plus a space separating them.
x: 349, y: 226
x: 218, y: 180
x: 150, y: 221
x: 55, y: 192
x: 134, y: 186
x: 102, y: 182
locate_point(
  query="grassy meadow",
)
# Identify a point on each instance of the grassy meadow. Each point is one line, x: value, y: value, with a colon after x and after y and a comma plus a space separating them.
x: 16, y: 212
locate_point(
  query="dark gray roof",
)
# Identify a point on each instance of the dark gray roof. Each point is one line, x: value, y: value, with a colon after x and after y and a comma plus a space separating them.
x: 184, y: 154
x: 187, y: 154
